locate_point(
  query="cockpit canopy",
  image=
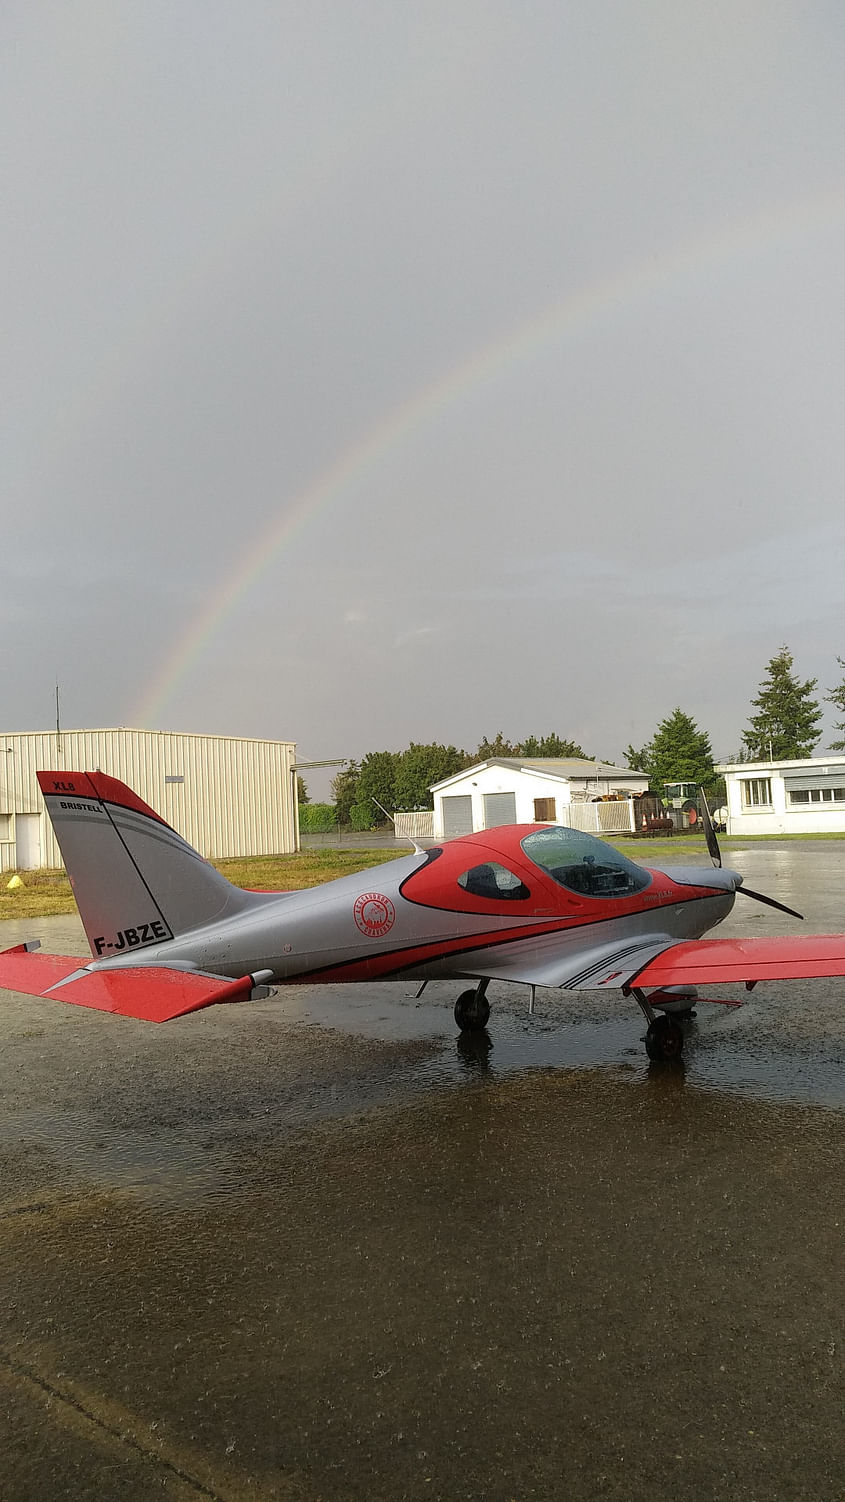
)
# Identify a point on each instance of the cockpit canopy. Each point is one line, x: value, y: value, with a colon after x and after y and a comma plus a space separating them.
x: 581, y: 863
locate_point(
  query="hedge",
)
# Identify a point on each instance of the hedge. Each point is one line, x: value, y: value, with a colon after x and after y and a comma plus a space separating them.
x: 317, y: 818
x: 361, y: 816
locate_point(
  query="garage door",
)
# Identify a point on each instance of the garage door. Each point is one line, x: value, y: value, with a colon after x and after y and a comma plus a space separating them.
x: 499, y: 808
x: 457, y: 816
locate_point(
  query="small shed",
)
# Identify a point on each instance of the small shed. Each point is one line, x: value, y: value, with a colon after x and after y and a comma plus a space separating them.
x: 534, y: 790
x: 226, y: 796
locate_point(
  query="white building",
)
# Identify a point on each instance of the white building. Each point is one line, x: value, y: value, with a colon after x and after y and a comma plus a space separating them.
x: 510, y: 790
x: 785, y: 797
x: 226, y: 796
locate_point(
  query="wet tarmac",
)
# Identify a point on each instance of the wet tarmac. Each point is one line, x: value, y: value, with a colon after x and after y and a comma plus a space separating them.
x: 318, y: 1247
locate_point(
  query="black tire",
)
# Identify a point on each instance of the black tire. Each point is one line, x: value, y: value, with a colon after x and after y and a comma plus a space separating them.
x: 664, y: 1039
x: 472, y: 1012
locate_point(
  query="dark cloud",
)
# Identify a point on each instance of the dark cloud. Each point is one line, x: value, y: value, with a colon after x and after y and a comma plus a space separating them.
x: 497, y: 351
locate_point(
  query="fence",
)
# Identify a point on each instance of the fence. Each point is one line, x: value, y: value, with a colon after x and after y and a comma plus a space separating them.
x: 595, y: 818
x: 416, y: 826
x: 600, y: 818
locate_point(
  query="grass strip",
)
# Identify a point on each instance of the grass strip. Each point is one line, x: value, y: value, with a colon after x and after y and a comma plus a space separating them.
x: 45, y: 894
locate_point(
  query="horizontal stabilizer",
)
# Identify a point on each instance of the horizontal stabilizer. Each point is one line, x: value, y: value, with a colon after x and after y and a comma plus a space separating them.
x: 150, y: 993
x: 714, y: 962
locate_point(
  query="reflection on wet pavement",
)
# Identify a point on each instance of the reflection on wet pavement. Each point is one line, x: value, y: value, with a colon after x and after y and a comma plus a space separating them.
x: 322, y: 1247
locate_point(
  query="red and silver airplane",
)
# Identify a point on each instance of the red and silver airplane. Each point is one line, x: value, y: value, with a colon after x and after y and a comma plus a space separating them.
x: 537, y: 904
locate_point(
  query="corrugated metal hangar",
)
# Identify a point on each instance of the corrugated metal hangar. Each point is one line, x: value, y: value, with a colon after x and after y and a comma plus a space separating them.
x: 225, y: 796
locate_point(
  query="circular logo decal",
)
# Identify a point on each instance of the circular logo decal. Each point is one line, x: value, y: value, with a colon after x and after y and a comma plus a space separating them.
x: 374, y: 914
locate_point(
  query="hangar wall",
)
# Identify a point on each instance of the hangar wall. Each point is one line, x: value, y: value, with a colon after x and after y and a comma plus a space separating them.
x: 228, y: 797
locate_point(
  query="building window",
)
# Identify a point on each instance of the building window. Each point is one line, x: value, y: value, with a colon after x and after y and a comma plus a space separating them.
x: 757, y: 792
x: 816, y: 795
x: 544, y: 811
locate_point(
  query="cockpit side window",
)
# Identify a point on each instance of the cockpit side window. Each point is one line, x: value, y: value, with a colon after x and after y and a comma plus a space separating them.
x: 583, y: 864
x: 494, y: 882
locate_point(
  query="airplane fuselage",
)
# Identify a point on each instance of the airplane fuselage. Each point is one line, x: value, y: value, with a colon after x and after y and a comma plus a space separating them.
x: 391, y: 921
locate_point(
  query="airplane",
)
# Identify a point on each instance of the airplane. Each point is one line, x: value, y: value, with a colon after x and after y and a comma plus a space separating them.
x: 537, y: 904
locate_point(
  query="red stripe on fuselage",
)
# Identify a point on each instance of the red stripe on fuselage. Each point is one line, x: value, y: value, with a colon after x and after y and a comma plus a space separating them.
x: 377, y: 966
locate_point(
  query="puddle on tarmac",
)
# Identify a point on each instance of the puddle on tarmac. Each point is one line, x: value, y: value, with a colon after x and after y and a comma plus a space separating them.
x: 96, y: 1096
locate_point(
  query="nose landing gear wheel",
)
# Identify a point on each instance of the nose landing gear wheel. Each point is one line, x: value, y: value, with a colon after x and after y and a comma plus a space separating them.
x: 664, y: 1039
x: 472, y: 1011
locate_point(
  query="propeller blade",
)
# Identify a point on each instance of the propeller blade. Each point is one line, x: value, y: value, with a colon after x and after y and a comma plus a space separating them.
x: 709, y: 831
x: 770, y: 902
x: 716, y: 857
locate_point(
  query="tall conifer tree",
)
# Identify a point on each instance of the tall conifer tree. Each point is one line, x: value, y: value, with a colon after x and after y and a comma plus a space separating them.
x: 786, y: 725
x: 678, y: 752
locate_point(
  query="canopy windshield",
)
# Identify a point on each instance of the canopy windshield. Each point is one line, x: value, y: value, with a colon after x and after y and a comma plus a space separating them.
x: 583, y: 864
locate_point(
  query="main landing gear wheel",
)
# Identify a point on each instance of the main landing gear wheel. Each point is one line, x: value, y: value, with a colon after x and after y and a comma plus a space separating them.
x: 472, y: 1012
x: 664, y: 1039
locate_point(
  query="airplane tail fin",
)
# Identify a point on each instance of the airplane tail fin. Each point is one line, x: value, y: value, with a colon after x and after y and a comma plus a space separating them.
x: 135, y: 880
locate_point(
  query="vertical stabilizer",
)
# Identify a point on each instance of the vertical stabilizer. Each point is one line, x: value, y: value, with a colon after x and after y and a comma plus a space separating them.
x: 135, y: 880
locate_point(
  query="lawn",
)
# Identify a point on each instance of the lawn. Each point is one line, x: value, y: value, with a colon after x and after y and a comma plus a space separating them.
x: 45, y: 893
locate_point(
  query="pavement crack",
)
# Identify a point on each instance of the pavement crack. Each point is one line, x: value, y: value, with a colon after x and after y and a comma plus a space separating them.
x: 154, y: 1457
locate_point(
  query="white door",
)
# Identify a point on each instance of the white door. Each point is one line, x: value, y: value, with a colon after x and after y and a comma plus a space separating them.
x: 27, y: 841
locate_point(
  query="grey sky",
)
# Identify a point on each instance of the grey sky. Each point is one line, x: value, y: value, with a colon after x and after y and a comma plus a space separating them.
x: 378, y: 372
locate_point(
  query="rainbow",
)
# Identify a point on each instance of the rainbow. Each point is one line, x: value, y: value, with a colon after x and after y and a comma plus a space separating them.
x: 560, y: 319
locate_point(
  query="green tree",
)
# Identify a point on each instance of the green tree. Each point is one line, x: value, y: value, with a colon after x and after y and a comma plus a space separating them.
x: 377, y: 783
x: 419, y: 767
x: 837, y: 696
x: 638, y: 760
x: 497, y: 747
x: 551, y: 746
x: 677, y: 752
x: 786, y: 725
x: 345, y: 791
x: 301, y: 790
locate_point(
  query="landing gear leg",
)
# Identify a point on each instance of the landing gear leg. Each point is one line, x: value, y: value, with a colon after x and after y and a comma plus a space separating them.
x: 472, y: 1009
x: 664, y: 1037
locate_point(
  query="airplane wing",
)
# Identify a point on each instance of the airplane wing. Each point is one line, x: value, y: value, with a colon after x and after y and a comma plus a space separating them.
x: 718, y: 961
x: 659, y: 960
x: 151, y: 993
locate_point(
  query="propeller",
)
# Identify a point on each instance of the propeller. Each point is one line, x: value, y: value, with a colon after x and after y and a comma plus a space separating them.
x: 716, y: 857
x: 770, y: 902
x: 709, y: 831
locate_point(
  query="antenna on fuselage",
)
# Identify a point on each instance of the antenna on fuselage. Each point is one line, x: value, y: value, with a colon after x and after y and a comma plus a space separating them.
x: 417, y: 848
